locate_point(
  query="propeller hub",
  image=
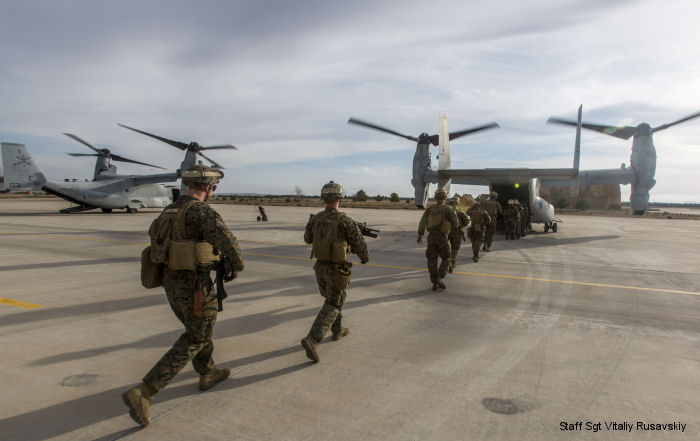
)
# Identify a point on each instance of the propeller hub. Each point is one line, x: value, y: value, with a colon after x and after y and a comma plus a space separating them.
x: 644, y: 129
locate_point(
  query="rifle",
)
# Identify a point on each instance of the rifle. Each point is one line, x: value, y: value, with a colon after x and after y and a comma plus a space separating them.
x: 369, y: 232
x: 224, y: 273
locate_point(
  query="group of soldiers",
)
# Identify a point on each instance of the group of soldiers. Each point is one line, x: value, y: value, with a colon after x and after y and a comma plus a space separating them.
x: 194, y: 240
x: 516, y: 217
x: 445, y: 223
x: 197, y: 242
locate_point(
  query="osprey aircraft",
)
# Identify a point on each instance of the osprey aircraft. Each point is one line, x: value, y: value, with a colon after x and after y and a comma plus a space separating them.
x: 640, y: 173
x: 510, y: 183
x: 107, y: 191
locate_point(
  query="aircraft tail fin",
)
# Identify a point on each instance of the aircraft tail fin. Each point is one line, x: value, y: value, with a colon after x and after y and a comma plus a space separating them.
x: 21, y: 172
x: 444, y: 153
x: 577, y: 153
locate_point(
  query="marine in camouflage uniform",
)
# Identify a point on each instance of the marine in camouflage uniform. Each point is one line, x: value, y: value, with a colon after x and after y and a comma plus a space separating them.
x: 438, y: 240
x: 458, y: 234
x: 519, y: 219
x: 191, y: 296
x: 525, y: 219
x: 332, y: 275
x: 494, y: 209
x: 480, y: 219
x: 510, y: 219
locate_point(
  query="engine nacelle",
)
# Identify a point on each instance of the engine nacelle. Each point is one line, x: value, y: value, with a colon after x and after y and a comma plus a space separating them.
x: 643, y: 162
x: 421, y: 166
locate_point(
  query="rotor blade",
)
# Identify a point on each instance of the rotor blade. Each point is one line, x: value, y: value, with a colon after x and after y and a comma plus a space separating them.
x: 359, y: 122
x: 455, y: 135
x: 83, y: 154
x: 666, y: 126
x: 625, y: 132
x: 219, y: 147
x: 123, y: 159
x: 70, y: 135
x: 214, y: 163
x: 178, y: 144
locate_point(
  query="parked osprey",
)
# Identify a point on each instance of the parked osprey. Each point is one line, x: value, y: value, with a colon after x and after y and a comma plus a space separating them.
x: 510, y: 183
x: 108, y: 190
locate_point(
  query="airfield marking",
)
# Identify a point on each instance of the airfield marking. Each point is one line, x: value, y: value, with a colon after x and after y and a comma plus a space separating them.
x: 18, y: 303
x: 505, y: 276
x: 466, y: 273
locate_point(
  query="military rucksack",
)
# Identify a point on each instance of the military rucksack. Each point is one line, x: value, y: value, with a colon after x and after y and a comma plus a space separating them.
x: 437, y: 219
x: 168, y: 243
x: 326, y: 243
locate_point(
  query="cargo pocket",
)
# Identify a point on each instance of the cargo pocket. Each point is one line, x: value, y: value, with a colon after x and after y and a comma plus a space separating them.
x: 341, y: 275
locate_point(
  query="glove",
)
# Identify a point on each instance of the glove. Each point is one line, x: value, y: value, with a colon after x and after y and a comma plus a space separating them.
x: 229, y: 272
x: 420, y: 239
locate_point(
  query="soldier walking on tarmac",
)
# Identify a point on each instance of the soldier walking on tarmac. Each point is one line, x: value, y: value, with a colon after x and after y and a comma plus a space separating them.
x: 197, y: 240
x: 493, y: 207
x: 458, y: 234
x: 439, y: 220
x: 480, y: 219
x: 333, y: 234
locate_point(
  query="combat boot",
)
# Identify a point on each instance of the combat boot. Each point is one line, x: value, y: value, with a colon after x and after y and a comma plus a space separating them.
x: 338, y: 335
x: 138, y: 399
x: 309, y: 344
x: 450, y: 268
x: 208, y: 381
x: 476, y: 258
x: 441, y: 284
x: 435, y: 286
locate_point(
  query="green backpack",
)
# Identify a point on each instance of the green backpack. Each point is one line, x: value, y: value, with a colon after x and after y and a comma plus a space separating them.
x: 326, y: 245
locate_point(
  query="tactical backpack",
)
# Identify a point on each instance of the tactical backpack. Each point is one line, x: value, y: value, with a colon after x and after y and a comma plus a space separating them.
x: 326, y: 244
x: 437, y: 219
x: 168, y: 247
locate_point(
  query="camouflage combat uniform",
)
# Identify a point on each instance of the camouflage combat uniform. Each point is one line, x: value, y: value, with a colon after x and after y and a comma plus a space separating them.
x: 480, y: 219
x: 438, y: 243
x: 510, y: 219
x: 494, y: 209
x: 525, y: 220
x: 457, y: 235
x: 202, y: 223
x: 331, y: 286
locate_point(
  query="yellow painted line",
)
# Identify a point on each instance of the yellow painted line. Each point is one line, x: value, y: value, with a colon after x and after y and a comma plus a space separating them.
x: 19, y: 304
x: 466, y: 273
x: 271, y: 242
x: 505, y: 276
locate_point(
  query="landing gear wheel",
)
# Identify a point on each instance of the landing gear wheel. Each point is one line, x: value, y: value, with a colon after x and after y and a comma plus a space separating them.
x: 546, y: 227
x: 106, y: 210
x: 554, y: 227
x: 131, y: 210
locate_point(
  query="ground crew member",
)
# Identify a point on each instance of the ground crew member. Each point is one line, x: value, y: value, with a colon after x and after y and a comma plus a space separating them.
x: 494, y: 209
x: 439, y: 219
x: 198, y: 239
x: 510, y: 219
x: 458, y: 234
x: 480, y: 219
x: 333, y: 234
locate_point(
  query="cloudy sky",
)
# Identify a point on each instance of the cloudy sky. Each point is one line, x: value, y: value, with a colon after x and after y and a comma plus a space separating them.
x: 279, y: 79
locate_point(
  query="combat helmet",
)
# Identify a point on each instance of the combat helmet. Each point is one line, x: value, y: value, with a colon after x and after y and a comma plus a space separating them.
x: 332, y: 191
x: 440, y: 194
x: 202, y: 174
x: 493, y: 195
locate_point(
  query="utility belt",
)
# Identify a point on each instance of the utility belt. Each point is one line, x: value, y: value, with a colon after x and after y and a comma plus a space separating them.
x: 190, y: 254
x: 439, y: 230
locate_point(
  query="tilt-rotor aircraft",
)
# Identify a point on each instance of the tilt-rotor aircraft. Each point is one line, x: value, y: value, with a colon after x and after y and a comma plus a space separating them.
x: 108, y: 190
x: 507, y: 182
x: 640, y: 173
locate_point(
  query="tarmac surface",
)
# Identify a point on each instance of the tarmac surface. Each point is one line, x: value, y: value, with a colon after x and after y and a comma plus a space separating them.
x: 598, y: 323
